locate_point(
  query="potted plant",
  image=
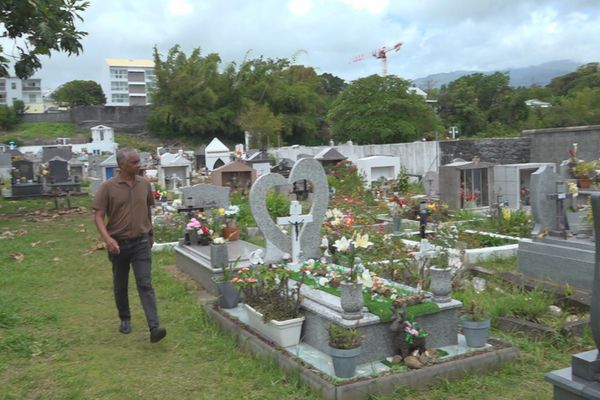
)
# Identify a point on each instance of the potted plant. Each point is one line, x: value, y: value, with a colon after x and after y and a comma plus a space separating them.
x: 346, y: 251
x: 272, y: 306
x: 585, y: 172
x: 229, y: 293
x: 475, y: 325
x: 344, y: 349
x: 231, y: 230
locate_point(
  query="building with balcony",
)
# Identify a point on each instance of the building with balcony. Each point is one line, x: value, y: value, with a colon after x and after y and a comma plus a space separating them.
x: 130, y: 81
x: 28, y: 90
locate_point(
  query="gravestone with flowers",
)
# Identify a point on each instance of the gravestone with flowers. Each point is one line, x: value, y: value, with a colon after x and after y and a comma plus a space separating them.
x: 196, y: 260
x: 553, y: 244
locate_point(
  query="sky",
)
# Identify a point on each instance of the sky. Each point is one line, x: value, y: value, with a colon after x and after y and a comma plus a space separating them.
x: 437, y: 36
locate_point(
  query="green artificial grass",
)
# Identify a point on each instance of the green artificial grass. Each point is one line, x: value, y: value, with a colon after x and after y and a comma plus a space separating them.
x: 382, y: 308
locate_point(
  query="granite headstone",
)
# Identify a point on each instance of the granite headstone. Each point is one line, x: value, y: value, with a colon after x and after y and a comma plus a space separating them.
x: 205, y: 196
x: 310, y: 238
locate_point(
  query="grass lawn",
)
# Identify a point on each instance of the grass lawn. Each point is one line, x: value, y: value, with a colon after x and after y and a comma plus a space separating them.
x: 59, y: 339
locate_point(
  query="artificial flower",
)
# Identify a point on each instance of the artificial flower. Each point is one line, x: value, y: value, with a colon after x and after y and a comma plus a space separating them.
x: 342, y: 244
x: 362, y: 241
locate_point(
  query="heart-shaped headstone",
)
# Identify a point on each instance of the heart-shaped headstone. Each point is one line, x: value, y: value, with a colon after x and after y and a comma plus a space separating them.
x: 310, y: 238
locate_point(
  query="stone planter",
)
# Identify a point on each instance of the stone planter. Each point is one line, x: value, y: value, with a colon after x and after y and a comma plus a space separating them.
x: 229, y: 294
x: 440, y: 284
x: 282, y: 333
x: 344, y: 361
x: 351, y: 300
x: 219, y: 256
x: 475, y: 332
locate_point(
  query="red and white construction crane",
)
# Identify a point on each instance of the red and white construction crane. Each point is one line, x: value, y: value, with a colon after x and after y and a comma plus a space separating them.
x: 380, y: 54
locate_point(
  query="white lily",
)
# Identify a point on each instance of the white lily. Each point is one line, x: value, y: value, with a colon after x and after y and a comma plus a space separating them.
x: 325, y: 242
x: 342, y: 244
x: 362, y: 241
x: 365, y: 278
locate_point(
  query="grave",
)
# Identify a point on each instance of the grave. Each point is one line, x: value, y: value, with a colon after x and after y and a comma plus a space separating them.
x: 512, y: 182
x: 553, y: 249
x: 431, y: 184
x: 174, y: 168
x: 217, y: 154
x: 24, y: 183
x: 582, y: 379
x: 320, y: 308
x: 236, y: 175
x: 462, y: 183
x: 195, y: 259
x: 376, y: 167
x: 58, y: 179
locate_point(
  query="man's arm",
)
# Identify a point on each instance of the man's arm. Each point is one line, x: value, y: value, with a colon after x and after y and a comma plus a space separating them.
x: 151, y: 233
x: 111, y: 244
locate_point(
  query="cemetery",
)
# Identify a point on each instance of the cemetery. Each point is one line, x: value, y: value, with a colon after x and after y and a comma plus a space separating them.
x: 361, y: 279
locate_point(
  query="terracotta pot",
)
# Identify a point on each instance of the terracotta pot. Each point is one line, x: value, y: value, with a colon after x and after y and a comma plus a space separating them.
x: 231, y: 233
x: 584, y: 183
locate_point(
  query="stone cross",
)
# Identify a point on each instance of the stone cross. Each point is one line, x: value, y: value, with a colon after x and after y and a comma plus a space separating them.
x: 295, y: 220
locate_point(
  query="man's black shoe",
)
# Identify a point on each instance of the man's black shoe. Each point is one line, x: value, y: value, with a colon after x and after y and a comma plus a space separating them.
x: 125, y: 326
x: 157, y: 334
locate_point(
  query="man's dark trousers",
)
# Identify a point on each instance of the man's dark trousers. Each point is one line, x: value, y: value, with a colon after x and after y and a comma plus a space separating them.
x: 134, y: 252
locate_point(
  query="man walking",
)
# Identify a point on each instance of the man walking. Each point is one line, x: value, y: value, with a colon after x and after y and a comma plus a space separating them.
x: 126, y: 201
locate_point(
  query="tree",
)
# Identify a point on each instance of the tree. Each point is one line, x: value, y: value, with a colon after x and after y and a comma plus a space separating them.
x: 381, y: 110
x: 8, y: 117
x: 80, y: 93
x: 43, y: 26
x: 475, y: 101
x: 263, y: 125
x: 191, y: 97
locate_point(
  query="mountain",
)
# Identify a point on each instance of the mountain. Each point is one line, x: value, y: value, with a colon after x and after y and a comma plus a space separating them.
x: 538, y: 74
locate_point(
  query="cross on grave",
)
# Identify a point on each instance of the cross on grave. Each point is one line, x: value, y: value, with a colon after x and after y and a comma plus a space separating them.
x: 295, y: 219
x: 561, y: 225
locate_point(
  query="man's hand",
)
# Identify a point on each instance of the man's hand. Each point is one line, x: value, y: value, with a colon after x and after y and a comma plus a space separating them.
x: 112, y: 246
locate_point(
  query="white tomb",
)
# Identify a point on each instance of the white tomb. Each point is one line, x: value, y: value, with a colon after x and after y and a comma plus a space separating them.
x: 374, y: 168
x: 217, y: 154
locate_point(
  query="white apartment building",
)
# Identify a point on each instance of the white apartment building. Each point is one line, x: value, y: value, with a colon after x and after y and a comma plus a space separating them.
x: 29, y: 91
x: 130, y: 81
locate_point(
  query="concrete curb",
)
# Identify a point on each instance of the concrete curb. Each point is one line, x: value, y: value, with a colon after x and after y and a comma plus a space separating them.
x: 363, y: 389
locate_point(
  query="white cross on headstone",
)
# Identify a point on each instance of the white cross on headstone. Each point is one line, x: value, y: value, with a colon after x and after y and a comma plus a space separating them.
x: 295, y: 220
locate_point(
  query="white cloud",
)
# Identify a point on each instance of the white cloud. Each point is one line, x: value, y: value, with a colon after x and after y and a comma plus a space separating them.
x: 438, y: 36
x: 300, y: 7
x: 179, y: 7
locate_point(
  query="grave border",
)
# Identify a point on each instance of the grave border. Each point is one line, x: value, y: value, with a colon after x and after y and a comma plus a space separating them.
x: 363, y: 388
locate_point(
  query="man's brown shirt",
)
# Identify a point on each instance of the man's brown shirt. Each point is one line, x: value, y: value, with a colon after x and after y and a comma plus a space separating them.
x: 126, y: 207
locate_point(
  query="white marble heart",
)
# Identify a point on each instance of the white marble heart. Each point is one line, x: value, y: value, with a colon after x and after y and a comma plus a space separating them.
x: 310, y: 238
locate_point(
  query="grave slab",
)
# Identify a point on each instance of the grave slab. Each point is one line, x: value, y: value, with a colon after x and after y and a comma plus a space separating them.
x: 195, y: 261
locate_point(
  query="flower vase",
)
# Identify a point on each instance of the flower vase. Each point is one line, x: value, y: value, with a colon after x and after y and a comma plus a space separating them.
x: 351, y: 300
x: 191, y: 237
x: 440, y: 284
x: 229, y: 294
x: 204, y: 240
x: 470, y: 204
x: 219, y: 256
x: 397, y: 221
